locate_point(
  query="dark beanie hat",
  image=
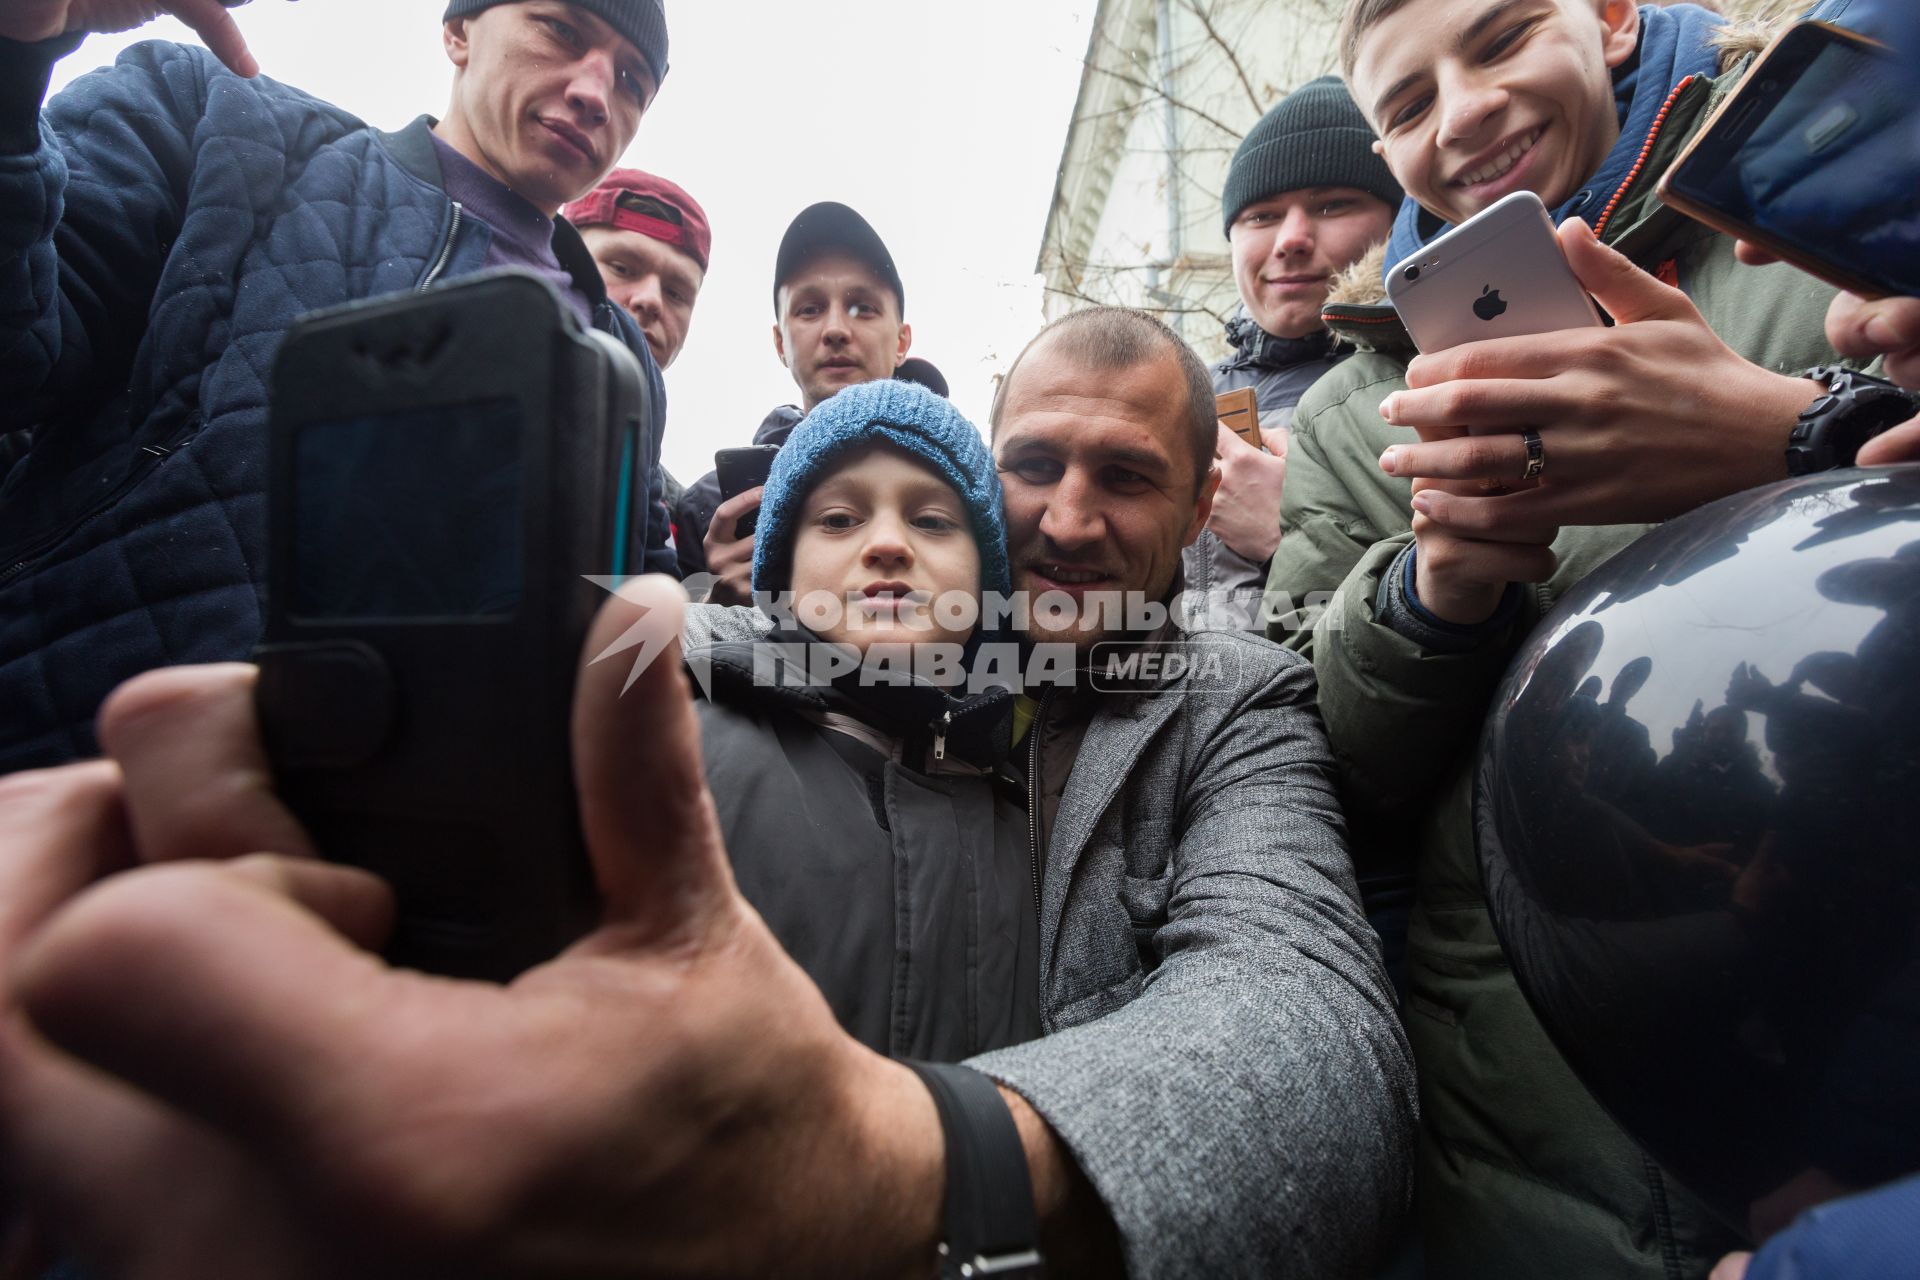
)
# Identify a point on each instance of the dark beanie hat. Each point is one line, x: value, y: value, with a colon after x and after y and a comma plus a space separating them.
x: 643, y: 22
x: 1316, y: 137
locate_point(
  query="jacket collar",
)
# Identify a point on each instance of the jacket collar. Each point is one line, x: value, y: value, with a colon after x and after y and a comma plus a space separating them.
x: 772, y: 671
x: 1115, y: 742
x: 412, y: 146
x: 1255, y: 348
x: 778, y: 424
x: 1676, y: 42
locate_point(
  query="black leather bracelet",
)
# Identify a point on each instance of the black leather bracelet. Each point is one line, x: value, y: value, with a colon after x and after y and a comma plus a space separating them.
x: 990, y: 1226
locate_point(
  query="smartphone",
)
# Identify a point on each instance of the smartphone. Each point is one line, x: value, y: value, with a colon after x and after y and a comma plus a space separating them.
x: 739, y: 470
x: 1239, y: 411
x: 443, y: 470
x: 1499, y: 274
x: 1814, y: 157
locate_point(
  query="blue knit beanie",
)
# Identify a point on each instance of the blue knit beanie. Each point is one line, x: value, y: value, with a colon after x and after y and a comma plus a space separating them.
x: 902, y: 414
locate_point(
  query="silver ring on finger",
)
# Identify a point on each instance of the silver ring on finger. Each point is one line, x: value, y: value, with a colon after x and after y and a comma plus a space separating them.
x: 1536, y: 454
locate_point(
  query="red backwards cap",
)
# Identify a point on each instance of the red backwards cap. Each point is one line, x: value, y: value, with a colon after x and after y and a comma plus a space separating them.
x: 636, y: 201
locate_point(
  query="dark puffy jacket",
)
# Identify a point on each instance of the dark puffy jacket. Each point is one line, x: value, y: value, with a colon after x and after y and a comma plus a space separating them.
x: 1279, y: 370
x: 898, y: 877
x: 162, y: 223
x: 694, y: 511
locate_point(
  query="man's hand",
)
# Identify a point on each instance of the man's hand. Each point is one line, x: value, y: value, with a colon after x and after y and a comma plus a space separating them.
x: 1890, y: 327
x: 671, y: 1096
x: 1862, y: 330
x: 1731, y: 1267
x: 146, y: 1191
x: 1460, y: 578
x: 730, y: 559
x: 1640, y: 422
x: 1246, y: 507
x: 32, y: 20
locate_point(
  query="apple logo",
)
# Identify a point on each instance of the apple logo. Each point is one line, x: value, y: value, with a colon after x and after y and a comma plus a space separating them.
x: 1489, y: 305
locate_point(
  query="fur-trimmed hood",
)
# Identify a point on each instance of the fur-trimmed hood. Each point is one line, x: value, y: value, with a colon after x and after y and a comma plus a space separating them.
x: 1363, y: 284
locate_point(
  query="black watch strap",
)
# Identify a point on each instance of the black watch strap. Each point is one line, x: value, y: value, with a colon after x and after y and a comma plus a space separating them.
x: 1853, y: 408
x: 990, y: 1226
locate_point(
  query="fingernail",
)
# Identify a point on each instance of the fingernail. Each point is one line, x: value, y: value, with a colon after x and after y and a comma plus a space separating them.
x: 1387, y: 408
x: 1422, y: 503
x: 1390, y: 462
x: 1880, y: 332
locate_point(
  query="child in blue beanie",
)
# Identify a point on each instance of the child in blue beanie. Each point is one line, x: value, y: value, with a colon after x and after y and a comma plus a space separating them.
x: 863, y: 790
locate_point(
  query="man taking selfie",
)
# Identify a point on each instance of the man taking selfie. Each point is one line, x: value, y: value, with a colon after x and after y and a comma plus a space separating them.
x: 1221, y: 1088
x: 164, y: 221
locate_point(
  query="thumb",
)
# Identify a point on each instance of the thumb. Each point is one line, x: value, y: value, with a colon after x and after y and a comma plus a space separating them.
x: 1627, y: 293
x: 644, y: 806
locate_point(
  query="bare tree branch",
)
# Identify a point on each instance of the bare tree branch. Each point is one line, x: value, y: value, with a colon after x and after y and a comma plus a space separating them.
x: 1233, y: 59
x: 1158, y: 93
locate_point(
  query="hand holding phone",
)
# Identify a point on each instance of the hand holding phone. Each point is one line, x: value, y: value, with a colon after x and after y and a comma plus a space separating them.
x: 1814, y: 158
x: 444, y: 471
x: 739, y: 470
x: 1499, y: 274
x: 1239, y: 412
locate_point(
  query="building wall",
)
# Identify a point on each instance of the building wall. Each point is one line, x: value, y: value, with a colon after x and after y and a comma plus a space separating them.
x: 1168, y: 87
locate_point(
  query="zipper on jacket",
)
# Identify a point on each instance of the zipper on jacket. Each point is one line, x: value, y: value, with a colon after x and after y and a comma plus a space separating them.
x: 33, y: 552
x: 940, y: 734
x: 1033, y: 796
x: 446, y: 251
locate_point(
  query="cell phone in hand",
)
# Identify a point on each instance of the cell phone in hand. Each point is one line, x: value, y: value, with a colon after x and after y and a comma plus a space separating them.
x: 1814, y: 157
x: 739, y: 470
x: 1499, y: 274
x: 1239, y: 411
x: 443, y: 469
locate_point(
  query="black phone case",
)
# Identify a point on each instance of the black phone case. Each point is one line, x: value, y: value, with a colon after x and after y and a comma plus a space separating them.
x: 739, y: 470
x: 435, y: 751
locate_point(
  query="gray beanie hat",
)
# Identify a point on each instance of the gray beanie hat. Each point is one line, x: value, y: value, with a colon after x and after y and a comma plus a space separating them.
x: 643, y: 22
x: 1315, y: 137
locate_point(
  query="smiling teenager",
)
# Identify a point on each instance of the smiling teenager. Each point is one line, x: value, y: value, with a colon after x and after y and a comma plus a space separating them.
x: 1305, y: 198
x: 1406, y: 493
x: 148, y: 276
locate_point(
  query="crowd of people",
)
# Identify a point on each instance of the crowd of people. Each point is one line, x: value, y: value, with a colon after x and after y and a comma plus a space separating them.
x: 948, y: 926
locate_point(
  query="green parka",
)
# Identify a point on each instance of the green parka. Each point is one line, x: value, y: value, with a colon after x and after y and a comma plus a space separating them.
x: 1521, y: 1172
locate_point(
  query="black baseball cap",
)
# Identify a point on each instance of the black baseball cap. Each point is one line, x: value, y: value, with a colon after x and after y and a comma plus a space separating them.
x: 831, y: 225
x: 915, y: 369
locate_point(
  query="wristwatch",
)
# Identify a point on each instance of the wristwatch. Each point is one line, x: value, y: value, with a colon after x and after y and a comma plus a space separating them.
x: 990, y: 1229
x: 1856, y: 408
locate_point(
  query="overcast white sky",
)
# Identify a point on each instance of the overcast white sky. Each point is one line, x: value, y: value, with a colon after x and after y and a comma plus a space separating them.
x: 942, y: 123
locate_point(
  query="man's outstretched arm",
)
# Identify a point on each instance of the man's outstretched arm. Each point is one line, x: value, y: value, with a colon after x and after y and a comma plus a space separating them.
x: 1251, y: 1109
x: 670, y: 1096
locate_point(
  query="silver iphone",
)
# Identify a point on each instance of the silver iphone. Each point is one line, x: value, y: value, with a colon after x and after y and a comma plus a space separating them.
x: 1499, y: 274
